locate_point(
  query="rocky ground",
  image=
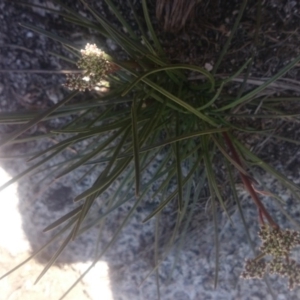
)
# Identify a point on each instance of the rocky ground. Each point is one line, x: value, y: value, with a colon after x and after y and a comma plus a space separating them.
x: 35, y: 201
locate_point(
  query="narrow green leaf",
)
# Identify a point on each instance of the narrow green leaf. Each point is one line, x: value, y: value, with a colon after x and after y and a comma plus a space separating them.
x: 127, y: 218
x: 183, y: 137
x: 278, y: 200
x: 278, y: 137
x: 171, y: 67
x: 63, y: 219
x: 40, y: 250
x: 141, y: 27
x: 212, y: 178
x: 120, y: 168
x: 214, y: 98
x: 39, y: 118
x: 54, y: 257
x: 262, y: 86
x: 238, y: 202
x: 50, y: 35
x: 150, y: 27
x: 178, y: 167
x: 156, y: 241
x: 81, y: 136
x: 174, y: 194
x: 86, y: 173
x: 102, y: 182
x: 228, y: 157
x: 207, y: 163
x: 120, y: 18
x: 180, y: 102
x: 29, y: 170
x: 232, y: 33
x: 90, y: 155
x: 259, y: 162
x: 135, y: 147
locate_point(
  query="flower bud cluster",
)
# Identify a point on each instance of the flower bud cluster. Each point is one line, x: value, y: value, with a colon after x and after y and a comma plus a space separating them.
x: 277, y: 243
x: 95, y: 67
x: 254, y: 269
x: 288, y: 268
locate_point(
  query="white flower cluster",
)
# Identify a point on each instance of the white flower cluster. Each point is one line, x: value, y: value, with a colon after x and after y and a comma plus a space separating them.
x: 95, y: 67
x: 277, y: 243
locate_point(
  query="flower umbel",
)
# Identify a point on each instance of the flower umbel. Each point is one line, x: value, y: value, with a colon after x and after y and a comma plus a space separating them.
x: 95, y: 67
x: 254, y: 269
x: 278, y: 244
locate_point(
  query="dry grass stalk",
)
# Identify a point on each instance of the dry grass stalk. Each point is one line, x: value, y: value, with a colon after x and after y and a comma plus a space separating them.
x: 174, y: 13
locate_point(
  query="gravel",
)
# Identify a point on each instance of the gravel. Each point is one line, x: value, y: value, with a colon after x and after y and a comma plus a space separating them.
x: 131, y: 257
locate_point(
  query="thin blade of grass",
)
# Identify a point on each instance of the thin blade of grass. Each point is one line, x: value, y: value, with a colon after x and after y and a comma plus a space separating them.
x: 238, y: 202
x: 152, y: 124
x: 278, y: 137
x: 232, y: 33
x: 127, y: 218
x: 80, y: 137
x: 54, y: 257
x: 228, y: 157
x: 49, y: 34
x: 251, y: 94
x: 102, y: 186
x: 259, y: 162
x: 39, y: 118
x: 141, y: 27
x: 86, y: 173
x: 62, y: 57
x: 90, y: 155
x: 121, y: 19
x: 214, y: 184
x: 183, y: 137
x: 145, y: 190
x: 182, y: 214
x: 40, y: 250
x: 150, y: 27
x: 210, y: 179
x: 278, y: 200
x: 29, y: 170
x: 156, y: 240
x: 171, y: 67
x: 102, y: 182
x: 63, y: 219
x: 135, y: 147
x: 173, y: 194
x: 180, y: 102
x: 178, y: 167
x: 214, y: 98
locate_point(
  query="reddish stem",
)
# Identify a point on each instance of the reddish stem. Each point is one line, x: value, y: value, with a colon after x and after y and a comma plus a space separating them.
x: 248, y: 185
x: 261, y: 217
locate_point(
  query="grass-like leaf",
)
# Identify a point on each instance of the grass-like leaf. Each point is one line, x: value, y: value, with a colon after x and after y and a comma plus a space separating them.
x: 210, y: 179
x: 135, y: 147
x: 262, y: 86
x: 54, y: 257
x: 63, y: 219
x: 90, y: 155
x: 173, y: 67
x: 57, y: 235
x: 150, y: 27
x: 39, y: 118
